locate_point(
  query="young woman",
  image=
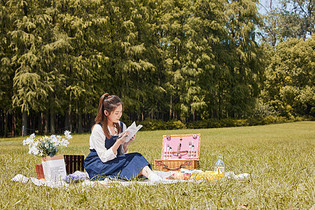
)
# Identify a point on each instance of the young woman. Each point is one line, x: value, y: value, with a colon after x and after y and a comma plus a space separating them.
x: 108, y: 151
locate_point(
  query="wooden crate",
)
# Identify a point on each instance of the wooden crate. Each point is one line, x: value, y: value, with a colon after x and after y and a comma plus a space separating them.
x: 39, y: 171
x: 74, y: 163
x: 179, y: 151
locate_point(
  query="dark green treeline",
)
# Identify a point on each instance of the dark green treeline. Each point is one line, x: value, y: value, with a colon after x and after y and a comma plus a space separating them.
x: 172, y: 59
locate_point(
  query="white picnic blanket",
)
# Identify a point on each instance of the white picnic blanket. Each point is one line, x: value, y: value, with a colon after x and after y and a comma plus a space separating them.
x: 110, y: 182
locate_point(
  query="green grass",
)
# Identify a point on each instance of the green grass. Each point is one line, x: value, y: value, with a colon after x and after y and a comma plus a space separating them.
x: 280, y: 158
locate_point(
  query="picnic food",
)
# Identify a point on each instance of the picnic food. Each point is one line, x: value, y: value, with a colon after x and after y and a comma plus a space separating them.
x: 208, y: 175
x: 180, y: 176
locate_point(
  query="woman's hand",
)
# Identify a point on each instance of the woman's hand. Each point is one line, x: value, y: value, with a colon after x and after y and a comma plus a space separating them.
x: 122, y: 137
x: 120, y: 141
x: 125, y: 147
x: 133, y: 138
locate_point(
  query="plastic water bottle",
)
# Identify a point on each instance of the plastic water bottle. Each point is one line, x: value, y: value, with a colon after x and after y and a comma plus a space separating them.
x: 219, y: 165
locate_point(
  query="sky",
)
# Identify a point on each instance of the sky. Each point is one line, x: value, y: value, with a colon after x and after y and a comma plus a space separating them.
x: 264, y: 5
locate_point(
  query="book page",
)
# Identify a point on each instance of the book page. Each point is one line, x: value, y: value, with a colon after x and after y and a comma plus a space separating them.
x: 132, y: 129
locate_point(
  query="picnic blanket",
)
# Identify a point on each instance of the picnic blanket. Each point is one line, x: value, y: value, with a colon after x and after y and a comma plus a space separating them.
x: 83, y: 179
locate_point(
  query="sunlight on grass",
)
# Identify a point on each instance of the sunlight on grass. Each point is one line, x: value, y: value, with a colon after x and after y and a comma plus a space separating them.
x: 280, y: 159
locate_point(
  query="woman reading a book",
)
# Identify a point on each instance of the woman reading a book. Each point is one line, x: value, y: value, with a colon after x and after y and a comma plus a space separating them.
x: 108, y: 150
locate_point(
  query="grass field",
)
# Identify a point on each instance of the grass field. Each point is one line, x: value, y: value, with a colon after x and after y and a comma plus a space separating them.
x: 279, y: 157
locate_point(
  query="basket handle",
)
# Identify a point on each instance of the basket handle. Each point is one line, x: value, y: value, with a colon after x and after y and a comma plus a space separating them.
x: 187, y: 163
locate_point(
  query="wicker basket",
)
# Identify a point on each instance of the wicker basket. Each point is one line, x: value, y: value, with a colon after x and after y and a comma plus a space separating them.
x: 175, y: 165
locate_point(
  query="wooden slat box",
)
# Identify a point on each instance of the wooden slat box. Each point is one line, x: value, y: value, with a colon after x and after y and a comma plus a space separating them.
x: 179, y: 151
x: 74, y: 163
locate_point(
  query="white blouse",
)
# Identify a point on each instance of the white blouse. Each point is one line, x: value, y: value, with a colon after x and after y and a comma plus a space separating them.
x: 97, y: 142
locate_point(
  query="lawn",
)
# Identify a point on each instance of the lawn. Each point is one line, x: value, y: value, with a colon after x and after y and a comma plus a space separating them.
x: 279, y: 157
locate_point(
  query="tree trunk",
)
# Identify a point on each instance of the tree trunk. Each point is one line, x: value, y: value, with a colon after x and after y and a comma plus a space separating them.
x: 70, y: 116
x: 67, y: 118
x: 24, y: 123
x: 42, y: 123
x: 80, y: 124
x: 6, y: 124
x: 219, y: 102
x: 13, y: 123
x: 46, y: 124
x: 52, y: 119
x: 171, y: 107
x: 30, y: 122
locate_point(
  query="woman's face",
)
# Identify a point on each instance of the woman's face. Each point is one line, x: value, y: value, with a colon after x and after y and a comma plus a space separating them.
x: 115, y: 115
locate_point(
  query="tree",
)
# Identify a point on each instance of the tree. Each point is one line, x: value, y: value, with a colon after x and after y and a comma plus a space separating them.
x: 297, y: 18
x: 292, y: 19
x: 84, y: 30
x: 6, y: 71
x: 290, y: 78
x: 27, y: 35
x: 206, y: 32
x: 241, y: 59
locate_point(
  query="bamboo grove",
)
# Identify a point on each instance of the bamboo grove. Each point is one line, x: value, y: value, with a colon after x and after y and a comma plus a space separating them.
x: 167, y: 60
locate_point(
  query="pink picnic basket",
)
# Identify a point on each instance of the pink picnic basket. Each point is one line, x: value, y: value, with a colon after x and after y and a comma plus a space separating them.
x: 179, y: 151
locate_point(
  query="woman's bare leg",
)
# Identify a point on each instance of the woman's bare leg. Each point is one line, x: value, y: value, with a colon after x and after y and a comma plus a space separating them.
x: 145, y: 171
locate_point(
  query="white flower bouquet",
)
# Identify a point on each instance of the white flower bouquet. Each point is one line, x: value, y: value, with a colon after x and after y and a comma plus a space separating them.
x: 47, y: 146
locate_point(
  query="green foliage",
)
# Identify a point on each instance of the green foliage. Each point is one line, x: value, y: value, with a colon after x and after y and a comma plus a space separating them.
x: 297, y: 18
x: 162, y: 125
x: 263, y: 109
x: 252, y: 121
x: 6, y: 68
x: 218, y: 123
x: 290, y: 78
x: 168, y: 60
x: 48, y: 148
x: 292, y: 19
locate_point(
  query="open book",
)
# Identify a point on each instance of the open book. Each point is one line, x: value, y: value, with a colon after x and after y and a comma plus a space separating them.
x: 132, y: 129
